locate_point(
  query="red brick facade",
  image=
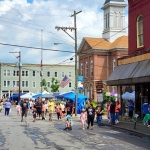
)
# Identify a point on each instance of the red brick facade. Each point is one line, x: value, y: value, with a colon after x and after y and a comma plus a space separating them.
x: 136, y: 8
x: 102, y: 61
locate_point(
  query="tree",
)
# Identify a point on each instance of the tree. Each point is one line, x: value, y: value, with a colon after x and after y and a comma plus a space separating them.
x: 44, y: 84
x: 55, y: 85
x: 107, y: 97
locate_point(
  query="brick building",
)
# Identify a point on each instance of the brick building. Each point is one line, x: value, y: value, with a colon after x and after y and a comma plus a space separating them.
x: 133, y: 71
x: 98, y: 56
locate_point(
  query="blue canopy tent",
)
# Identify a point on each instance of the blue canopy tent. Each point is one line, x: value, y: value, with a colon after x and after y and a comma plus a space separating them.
x: 81, y: 100
x: 37, y: 95
x: 61, y: 95
x: 14, y: 97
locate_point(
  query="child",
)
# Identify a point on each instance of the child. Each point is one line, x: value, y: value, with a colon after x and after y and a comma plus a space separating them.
x: 34, y: 114
x: 67, y: 124
x: 18, y: 107
x: 83, y: 118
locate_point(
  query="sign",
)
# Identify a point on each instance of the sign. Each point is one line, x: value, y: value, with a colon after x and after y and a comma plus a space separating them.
x: 99, y: 86
x: 80, y: 82
x: 99, y: 97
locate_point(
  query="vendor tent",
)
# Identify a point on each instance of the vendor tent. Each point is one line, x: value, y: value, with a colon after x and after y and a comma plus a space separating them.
x: 61, y: 95
x: 47, y: 96
x: 127, y: 96
x: 81, y: 100
x: 37, y: 95
x: 27, y: 95
x: 45, y: 92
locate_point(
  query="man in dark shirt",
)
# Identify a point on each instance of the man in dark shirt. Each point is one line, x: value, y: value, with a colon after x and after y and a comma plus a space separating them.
x: 90, y: 115
x: 112, y: 112
x: 24, y: 109
x: 38, y: 107
x: 99, y: 112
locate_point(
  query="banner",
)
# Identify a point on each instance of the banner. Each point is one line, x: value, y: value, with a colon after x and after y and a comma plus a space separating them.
x: 80, y: 82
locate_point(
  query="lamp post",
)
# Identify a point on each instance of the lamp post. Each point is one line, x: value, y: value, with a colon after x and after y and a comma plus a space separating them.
x: 19, y: 57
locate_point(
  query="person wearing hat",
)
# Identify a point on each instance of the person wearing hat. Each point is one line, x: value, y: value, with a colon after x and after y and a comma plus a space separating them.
x: 83, y: 118
x: 99, y: 112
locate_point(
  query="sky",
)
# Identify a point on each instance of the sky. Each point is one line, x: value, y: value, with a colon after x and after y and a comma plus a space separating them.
x: 28, y: 22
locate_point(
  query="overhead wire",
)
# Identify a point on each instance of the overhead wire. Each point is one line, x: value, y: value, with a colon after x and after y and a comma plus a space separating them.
x: 33, y: 21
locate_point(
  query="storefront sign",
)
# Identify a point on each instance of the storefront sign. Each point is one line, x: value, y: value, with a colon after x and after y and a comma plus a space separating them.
x: 99, y: 97
x: 99, y: 86
x: 80, y: 82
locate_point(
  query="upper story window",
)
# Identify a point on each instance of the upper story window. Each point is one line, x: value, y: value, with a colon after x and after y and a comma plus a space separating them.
x: 48, y: 74
x: 114, y: 64
x: 86, y: 69
x: 81, y: 69
x: 70, y: 74
x: 15, y: 73
x: 139, y: 31
x: 69, y: 84
x: 6, y: 72
x: 63, y: 74
x: 91, y: 68
x: 56, y: 74
x: 33, y: 84
x: 33, y: 73
x: 24, y: 73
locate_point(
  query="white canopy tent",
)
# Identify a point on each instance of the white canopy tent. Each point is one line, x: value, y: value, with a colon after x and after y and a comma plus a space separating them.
x: 28, y: 95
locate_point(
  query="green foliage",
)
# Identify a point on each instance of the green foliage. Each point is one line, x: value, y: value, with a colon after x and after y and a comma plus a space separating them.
x: 44, y: 84
x: 107, y: 98
x: 55, y: 85
x: 92, y: 102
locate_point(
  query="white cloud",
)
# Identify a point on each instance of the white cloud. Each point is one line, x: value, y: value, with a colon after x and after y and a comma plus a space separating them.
x: 21, y: 24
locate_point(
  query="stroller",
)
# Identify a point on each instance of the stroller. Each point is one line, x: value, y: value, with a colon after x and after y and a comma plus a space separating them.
x: 69, y: 122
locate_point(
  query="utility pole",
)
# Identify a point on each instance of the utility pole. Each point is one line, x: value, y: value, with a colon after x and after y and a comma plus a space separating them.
x: 76, y: 55
x: 19, y: 58
x: 41, y: 58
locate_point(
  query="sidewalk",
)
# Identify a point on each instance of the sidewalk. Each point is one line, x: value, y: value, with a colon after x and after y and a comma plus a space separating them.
x: 140, y: 130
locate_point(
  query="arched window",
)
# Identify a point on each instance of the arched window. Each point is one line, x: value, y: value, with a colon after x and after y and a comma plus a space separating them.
x: 139, y: 31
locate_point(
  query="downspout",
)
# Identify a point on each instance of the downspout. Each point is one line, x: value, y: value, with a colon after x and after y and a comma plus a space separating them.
x: 107, y: 70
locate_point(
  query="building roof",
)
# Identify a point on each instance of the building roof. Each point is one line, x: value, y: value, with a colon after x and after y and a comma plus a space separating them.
x: 97, y: 43
x: 107, y: 1
x: 102, y: 43
x: 120, y: 42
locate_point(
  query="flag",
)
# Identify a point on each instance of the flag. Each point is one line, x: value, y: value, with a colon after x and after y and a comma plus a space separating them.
x: 14, y: 88
x: 41, y: 64
x: 64, y: 82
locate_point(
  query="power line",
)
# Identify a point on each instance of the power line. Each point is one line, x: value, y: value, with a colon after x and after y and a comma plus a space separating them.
x: 33, y: 21
x: 36, y: 48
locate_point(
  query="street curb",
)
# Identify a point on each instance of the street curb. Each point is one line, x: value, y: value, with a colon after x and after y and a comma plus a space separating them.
x: 135, y: 133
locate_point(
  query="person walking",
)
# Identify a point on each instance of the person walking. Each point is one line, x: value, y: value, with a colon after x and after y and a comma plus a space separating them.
x: 1, y: 106
x: 18, y: 109
x: 7, y: 105
x: 38, y: 107
x: 90, y: 116
x: 58, y: 109
x: 99, y: 112
x: 50, y: 109
x: 24, y: 109
x: 83, y: 117
x: 34, y: 114
x: 43, y: 110
x: 117, y: 111
x: 112, y: 112
x: 131, y: 109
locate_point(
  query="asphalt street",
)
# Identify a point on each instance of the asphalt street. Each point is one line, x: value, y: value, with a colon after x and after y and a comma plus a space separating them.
x: 17, y: 135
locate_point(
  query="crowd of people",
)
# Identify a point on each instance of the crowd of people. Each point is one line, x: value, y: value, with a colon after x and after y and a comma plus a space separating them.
x: 45, y: 110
